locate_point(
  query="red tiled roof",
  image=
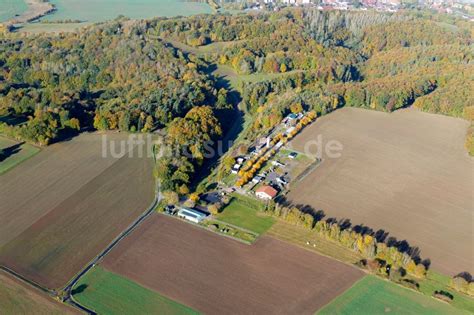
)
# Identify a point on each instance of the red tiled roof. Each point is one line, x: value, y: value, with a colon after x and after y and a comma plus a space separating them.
x: 272, y: 192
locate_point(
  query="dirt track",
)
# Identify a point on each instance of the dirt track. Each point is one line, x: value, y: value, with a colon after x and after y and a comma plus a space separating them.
x: 63, y: 206
x: 406, y: 173
x: 216, y: 275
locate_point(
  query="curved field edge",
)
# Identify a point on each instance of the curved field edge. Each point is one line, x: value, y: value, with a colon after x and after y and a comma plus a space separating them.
x: 372, y: 295
x: 108, y: 293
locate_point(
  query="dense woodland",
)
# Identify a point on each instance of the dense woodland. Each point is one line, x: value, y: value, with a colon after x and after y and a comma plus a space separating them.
x: 107, y: 77
x: 121, y: 75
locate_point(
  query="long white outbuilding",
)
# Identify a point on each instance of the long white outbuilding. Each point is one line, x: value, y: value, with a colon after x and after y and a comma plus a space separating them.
x: 191, y: 215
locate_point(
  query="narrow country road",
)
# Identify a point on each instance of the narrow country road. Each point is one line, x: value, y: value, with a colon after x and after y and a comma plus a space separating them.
x: 69, y: 287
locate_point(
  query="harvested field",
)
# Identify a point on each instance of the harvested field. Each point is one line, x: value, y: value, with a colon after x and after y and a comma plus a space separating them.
x: 406, y: 173
x: 18, y: 298
x: 61, y: 207
x: 216, y: 275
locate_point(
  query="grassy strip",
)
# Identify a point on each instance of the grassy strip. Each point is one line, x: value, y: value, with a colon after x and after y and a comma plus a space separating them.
x: 23, y: 152
x: 243, y: 212
x: 372, y: 295
x: 108, y: 293
x: 299, y: 236
x: 436, y: 281
x: 231, y: 231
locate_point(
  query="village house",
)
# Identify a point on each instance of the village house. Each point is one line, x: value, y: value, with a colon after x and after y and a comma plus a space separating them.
x: 266, y: 193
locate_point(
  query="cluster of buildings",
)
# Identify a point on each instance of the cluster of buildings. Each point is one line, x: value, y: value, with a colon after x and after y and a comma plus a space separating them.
x: 461, y: 8
x: 273, y: 181
x: 327, y: 5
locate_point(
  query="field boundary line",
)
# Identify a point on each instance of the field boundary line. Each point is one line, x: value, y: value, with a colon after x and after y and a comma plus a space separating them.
x: 308, y: 170
x: 314, y: 251
x: 27, y: 281
x: 69, y: 287
x: 35, y: 286
x: 236, y: 227
x: 345, y: 291
x: 213, y: 231
x: 23, y: 160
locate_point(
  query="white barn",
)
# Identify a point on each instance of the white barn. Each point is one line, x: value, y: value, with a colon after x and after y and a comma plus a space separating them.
x: 191, y: 215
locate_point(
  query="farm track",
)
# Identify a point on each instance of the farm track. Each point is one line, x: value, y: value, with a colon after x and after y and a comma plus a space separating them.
x: 68, y: 289
x: 108, y: 249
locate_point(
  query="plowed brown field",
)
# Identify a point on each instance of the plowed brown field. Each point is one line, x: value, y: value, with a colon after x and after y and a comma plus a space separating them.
x: 406, y: 172
x: 216, y: 275
x: 61, y: 207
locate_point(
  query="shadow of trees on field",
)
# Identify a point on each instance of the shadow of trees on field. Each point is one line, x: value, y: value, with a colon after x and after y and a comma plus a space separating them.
x: 79, y: 289
x: 8, y: 152
x: 465, y: 275
x: 380, y: 235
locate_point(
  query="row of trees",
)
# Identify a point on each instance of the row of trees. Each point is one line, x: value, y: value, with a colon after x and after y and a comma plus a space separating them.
x: 255, y: 164
x: 394, y: 254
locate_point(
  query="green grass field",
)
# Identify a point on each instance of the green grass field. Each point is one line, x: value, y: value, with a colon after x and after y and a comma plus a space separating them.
x: 108, y: 293
x: 16, y: 156
x: 299, y: 236
x: 372, y: 295
x: 435, y: 281
x: 243, y: 211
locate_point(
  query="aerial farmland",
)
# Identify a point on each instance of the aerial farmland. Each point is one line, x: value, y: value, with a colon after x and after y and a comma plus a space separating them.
x: 408, y: 166
x: 18, y: 298
x: 63, y: 206
x: 187, y: 264
x: 275, y: 157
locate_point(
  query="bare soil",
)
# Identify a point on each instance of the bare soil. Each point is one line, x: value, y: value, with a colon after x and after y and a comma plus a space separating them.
x: 61, y: 207
x: 406, y: 173
x: 217, y: 275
